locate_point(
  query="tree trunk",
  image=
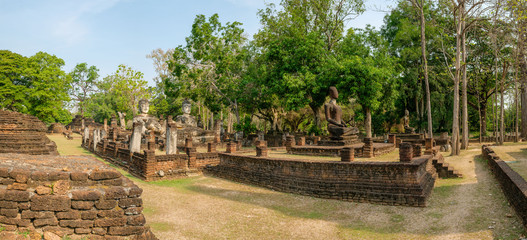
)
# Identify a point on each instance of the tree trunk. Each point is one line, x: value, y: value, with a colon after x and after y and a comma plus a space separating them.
x: 524, y: 109
x: 464, y: 117
x: 316, y: 115
x: 483, y: 119
x: 367, y: 122
x: 502, y: 115
x: 455, y: 112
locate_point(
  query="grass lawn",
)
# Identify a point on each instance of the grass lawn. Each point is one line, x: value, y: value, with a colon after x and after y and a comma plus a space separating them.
x: 205, y: 207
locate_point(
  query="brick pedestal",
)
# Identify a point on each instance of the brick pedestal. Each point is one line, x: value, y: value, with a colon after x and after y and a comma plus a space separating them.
x: 417, y: 150
x: 405, y: 152
x: 289, y: 142
x: 231, y: 147
x: 398, y: 142
x: 367, y: 149
x: 211, y: 147
x: 392, y: 138
x: 347, y: 154
x: 301, y: 141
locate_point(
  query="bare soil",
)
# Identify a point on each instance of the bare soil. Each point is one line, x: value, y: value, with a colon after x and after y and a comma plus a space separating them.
x: 206, y: 207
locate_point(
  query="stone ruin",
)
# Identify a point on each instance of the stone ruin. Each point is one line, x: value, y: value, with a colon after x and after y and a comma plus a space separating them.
x: 78, y: 124
x: 22, y: 133
x: 74, y: 196
x: 56, y: 128
x: 340, y: 136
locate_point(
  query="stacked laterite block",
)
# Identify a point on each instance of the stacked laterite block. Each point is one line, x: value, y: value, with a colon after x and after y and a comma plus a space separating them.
x: 289, y: 143
x: 231, y: 147
x: 347, y: 154
x: 22, y: 133
x: 406, y: 151
x: 261, y: 148
x: 301, y: 141
x: 417, y: 150
x: 74, y: 196
x: 367, y: 149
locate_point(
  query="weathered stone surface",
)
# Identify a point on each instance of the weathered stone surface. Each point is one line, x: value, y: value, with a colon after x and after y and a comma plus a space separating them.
x: 60, y: 231
x: 12, y: 213
x: 88, y: 215
x: 85, y: 195
x: 55, y: 176
x: 39, y: 176
x: 130, y: 202
x: 69, y: 215
x: 103, y: 175
x: 50, y: 203
x: 4, y: 172
x: 8, y: 204
x: 133, y: 210
x: 82, y: 205
x: 76, y: 223
x: 115, y: 193
x: 125, y: 231
x: 105, y: 204
x: 111, y: 213
x: 136, y: 220
x: 36, y: 214
x: 79, y: 176
x: 17, y: 186
x: 135, y: 192
x: 23, y: 205
x: 43, y: 190
x: 82, y: 230
x: 61, y: 187
x: 110, y: 222
x: 51, y: 236
x: 45, y: 222
x: 17, y: 196
x: 98, y: 231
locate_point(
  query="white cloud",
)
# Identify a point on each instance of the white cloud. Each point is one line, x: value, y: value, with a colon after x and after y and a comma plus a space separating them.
x: 68, y: 25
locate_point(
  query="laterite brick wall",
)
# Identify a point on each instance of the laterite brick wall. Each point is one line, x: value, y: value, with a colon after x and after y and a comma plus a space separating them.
x: 37, y: 195
x: 513, y: 185
x: 391, y: 183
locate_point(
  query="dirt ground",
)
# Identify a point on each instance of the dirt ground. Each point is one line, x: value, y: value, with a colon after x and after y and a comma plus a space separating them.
x: 205, y: 207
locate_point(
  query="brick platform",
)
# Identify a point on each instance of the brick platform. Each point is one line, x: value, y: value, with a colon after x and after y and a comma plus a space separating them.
x: 391, y: 183
x: 314, y: 150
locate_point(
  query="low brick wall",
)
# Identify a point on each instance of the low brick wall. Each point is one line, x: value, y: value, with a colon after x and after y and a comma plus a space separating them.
x: 313, y: 150
x: 150, y: 167
x: 37, y: 195
x: 513, y: 185
x: 390, y: 183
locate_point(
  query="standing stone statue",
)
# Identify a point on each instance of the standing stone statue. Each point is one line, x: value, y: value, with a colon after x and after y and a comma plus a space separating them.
x: 171, y: 135
x: 135, y: 140
x: 96, y: 138
x: 122, y: 121
x: 86, y: 135
x: 336, y: 127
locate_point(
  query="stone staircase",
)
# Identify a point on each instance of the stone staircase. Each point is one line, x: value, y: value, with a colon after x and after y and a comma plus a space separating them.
x: 443, y: 168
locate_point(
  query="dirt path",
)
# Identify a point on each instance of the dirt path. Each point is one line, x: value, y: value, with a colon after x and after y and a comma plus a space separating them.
x: 210, y: 208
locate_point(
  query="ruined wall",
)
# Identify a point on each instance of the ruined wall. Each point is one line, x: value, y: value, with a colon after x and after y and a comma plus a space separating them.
x: 22, y: 133
x: 65, y: 196
x: 513, y: 185
x: 390, y: 183
x: 148, y: 166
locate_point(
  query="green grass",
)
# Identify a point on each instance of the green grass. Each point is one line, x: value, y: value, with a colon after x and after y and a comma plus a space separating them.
x: 161, y: 226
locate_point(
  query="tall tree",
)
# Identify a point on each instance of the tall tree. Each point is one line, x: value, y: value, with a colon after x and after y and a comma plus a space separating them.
x: 83, y: 84
x: 419, y: 5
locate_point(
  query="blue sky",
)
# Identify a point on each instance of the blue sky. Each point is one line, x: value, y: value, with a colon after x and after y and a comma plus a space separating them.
x: 106, y: 33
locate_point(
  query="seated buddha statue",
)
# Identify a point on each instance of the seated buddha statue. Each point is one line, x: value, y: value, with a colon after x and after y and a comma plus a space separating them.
x: 336, y: 127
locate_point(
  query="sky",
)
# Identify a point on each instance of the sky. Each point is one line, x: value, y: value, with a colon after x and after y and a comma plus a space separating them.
x: 107, y: 33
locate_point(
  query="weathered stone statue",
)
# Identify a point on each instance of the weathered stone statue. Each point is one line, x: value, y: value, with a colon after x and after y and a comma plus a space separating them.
x: 406, y: 119
x: 336, y: 127
x: 150, y: 123
x: 122, y: 122
x: 186, y: 120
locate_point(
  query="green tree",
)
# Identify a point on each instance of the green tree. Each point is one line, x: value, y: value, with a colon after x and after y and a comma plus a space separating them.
x: 83, y: 84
